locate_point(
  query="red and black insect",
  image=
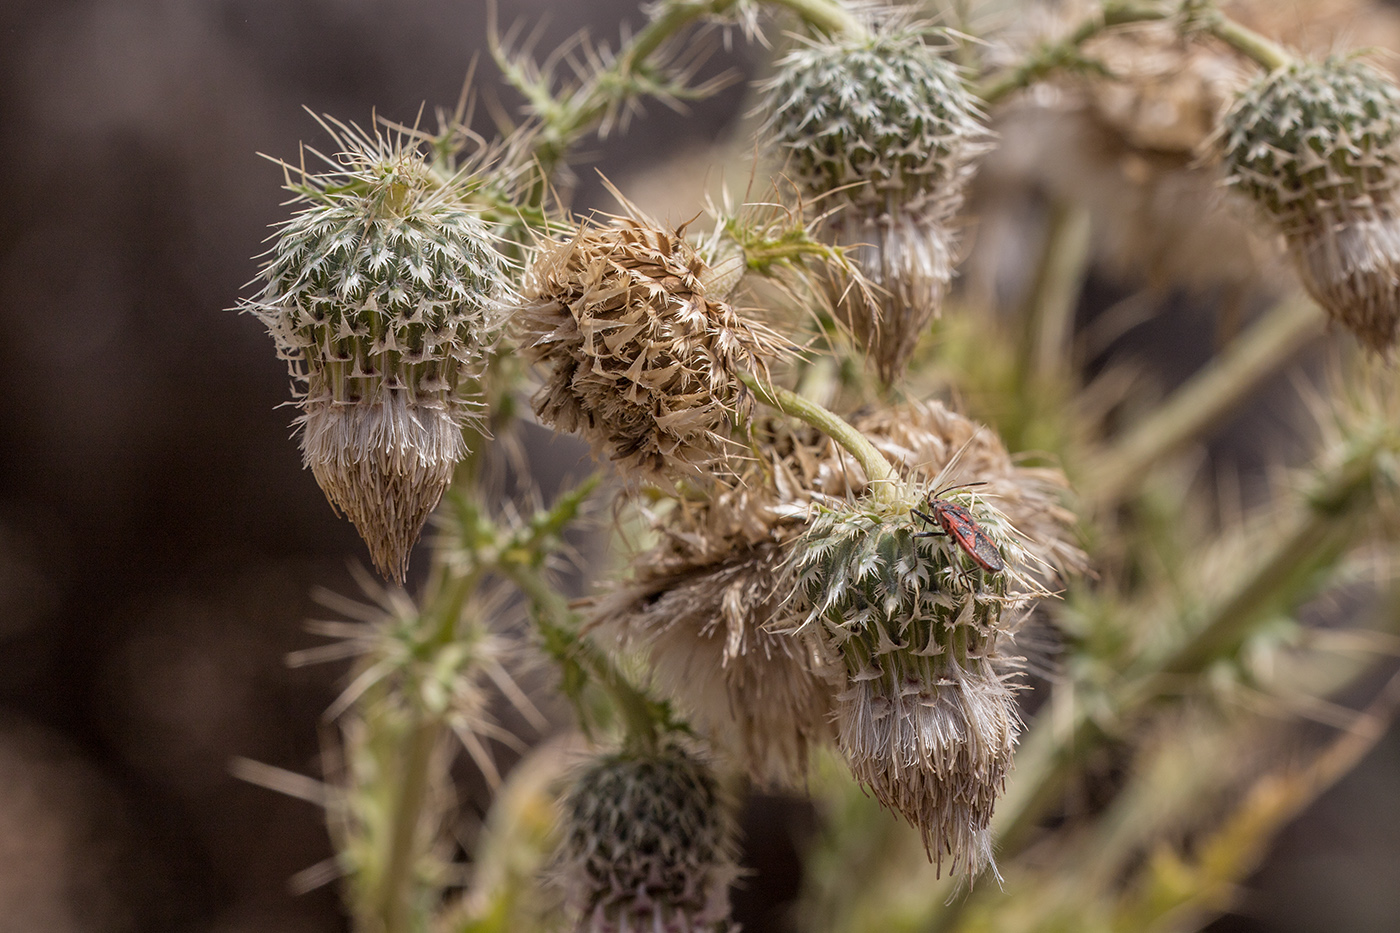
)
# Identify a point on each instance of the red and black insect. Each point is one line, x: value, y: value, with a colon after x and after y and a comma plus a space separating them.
x: 958, y: 523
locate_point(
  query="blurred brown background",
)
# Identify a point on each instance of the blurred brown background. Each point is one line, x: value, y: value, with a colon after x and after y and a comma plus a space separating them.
x: 158, y: 537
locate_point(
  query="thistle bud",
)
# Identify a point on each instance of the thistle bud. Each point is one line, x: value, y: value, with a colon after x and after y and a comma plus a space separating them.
x: 884, y: 129
x: 1316, y: 146
x: 380, y: 294
x: 641, y: 360
x: 648, y: 845
x: 927, y: 720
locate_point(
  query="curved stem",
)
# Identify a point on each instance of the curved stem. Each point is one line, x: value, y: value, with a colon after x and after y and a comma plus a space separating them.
x: 879, y: 473
x: 828, y: 16
x: 1203, y: 15
x: 1065, y: 53
x: 1206, y: 400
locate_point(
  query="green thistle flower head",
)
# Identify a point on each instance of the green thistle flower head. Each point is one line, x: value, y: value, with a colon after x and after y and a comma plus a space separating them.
x: 884, y: 117
x: 648, y: 844
x: 927, y: 719
x: 1316, y: 146
x: 883, y: 128
x: 381, y: 293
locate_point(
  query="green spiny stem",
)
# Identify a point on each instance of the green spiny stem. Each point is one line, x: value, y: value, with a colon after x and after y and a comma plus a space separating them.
x: 1203, y: 15
x: 565, y: 122
x: 1048, y: 59
x: 394, y: 900
x: 1206, y: 400
x: 642, y: 716
x: 1302, y: 554
x: 881, y: 475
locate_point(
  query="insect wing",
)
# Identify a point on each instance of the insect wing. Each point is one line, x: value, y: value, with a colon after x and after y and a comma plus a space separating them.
x: 984, y: 551
x: 958, y: 522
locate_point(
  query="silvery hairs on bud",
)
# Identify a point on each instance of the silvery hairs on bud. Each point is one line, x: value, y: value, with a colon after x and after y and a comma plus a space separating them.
x: 927, y: 718
x: 648, y: 844
x: 1316, y: 146
x: 881, y: 133
x: 640, y: 360
x: 381, y: 293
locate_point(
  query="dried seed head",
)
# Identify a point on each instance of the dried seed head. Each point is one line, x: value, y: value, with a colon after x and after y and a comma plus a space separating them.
x: 380, y: 293
x: 641, y: 360
x: 720, y: 642
x: 708, y: 603
x: 1316, y: 146
x: 882, y: 128
x: 648, y: 845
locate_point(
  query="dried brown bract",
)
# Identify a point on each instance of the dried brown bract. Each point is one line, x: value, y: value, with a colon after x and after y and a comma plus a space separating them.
x: 641, y: 360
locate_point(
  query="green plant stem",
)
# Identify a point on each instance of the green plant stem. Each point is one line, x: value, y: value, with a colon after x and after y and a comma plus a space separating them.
x: 1048, y: 313
x: 395, y: 900
x: 1204, y: 401
x: 1312, y: 543
x: 564, y: 124
x: 1065, y: 54
x: 559, y: 625
x: 881, y: 475
x: 1203, y: 15
x: 826, y: 15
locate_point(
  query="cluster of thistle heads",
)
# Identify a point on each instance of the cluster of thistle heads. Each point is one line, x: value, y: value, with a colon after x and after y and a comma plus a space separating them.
x: 792, y: 601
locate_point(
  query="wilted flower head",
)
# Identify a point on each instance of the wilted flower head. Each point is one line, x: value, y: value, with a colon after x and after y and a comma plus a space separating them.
x: 720, y: 641
x: 709, y: 604
x: 1316, y: 145
x: 641, y: 360
x: 882, y: 129
x: 648, y: 846
x: 380, y: 292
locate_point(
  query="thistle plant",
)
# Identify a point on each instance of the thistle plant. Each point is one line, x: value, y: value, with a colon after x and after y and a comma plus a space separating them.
x: 642, y: 362
x: 975, y: 591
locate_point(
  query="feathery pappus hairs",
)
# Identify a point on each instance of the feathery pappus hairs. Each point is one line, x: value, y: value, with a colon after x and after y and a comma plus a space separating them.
x: 1316, y: 146
x: 640, y: 360
x: 382, y: 293
x: 881, y: 132
x: 648, y: 844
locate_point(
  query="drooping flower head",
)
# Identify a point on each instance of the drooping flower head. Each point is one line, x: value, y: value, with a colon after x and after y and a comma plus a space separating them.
x: 640, y: 359
x: 381, y: 293
x: 709, y: 603
x: 1316, y: 145
x: 648, y: 845
x: 927, y: 719
x: 881, y: 131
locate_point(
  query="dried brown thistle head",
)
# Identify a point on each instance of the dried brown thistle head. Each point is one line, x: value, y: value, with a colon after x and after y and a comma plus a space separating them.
x: 640, y: 359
